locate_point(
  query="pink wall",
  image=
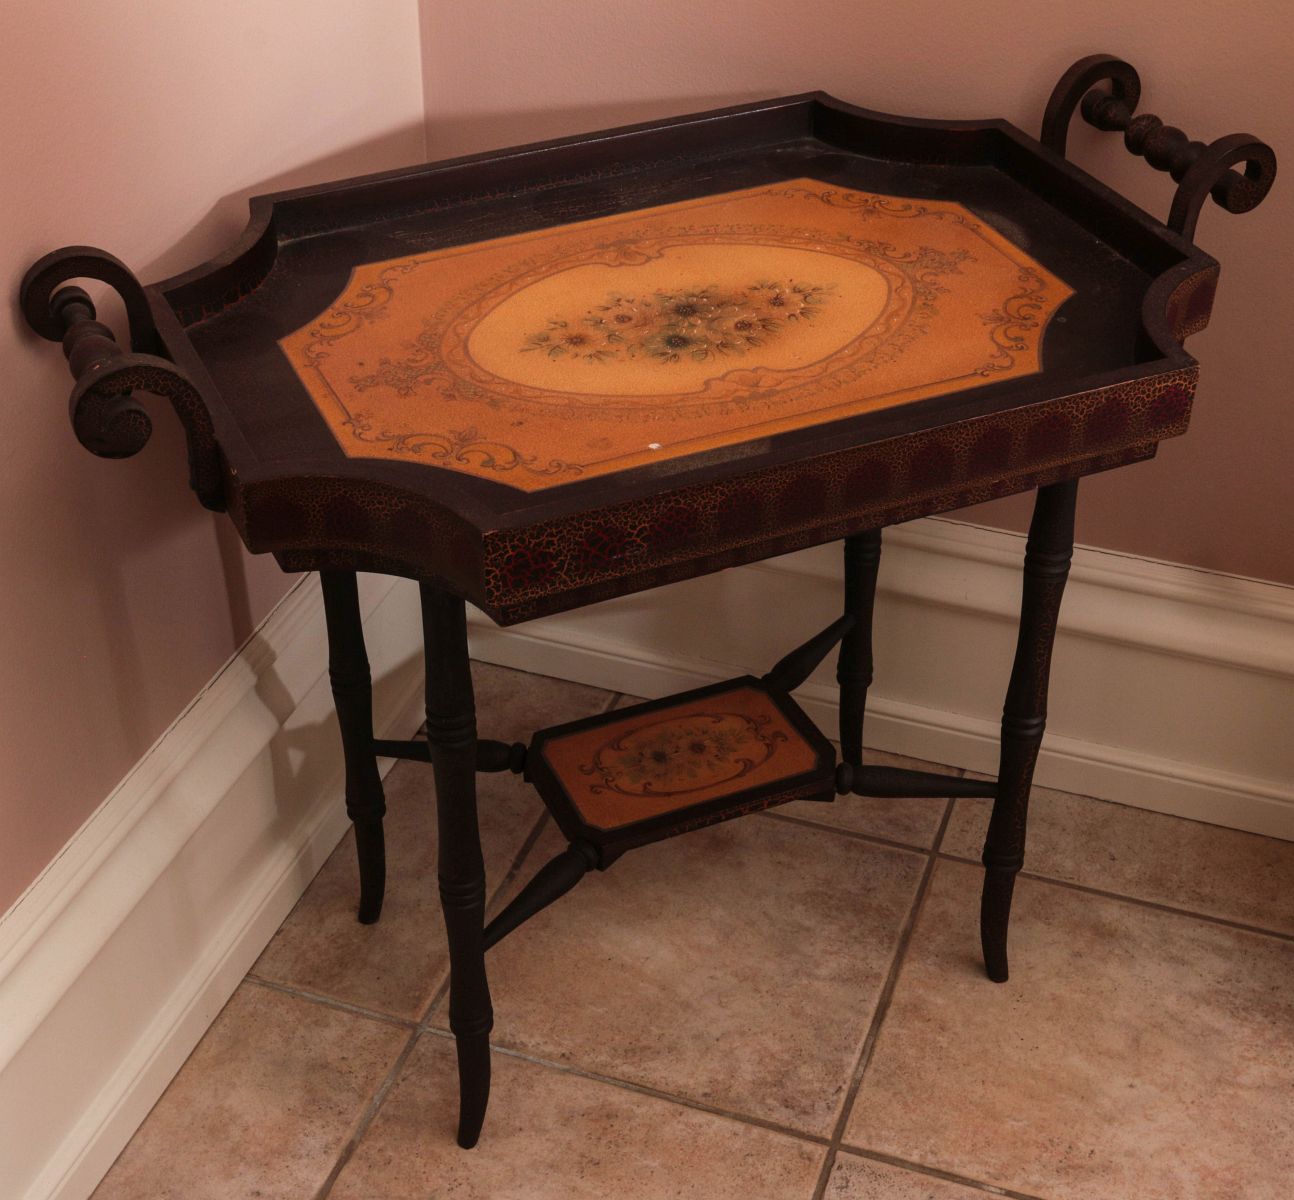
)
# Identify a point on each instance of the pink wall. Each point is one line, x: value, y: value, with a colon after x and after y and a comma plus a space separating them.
x: 498, y: 73
x: 142, y: 126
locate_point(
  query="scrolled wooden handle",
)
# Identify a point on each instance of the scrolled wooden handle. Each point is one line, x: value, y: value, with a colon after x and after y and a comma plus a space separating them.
x: 1200, y: 170
x: 107, y: 417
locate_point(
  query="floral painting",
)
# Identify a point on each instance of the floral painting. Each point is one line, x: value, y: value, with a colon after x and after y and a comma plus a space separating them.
x: 697, y: 324
x: 683, y: 754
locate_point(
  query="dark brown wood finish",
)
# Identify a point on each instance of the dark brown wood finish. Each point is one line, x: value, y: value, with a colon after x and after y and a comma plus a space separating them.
x: 1046, y: 567
x: 1200, y: 171
x: 451, y: 738
x: 292, y: 491
x: 854, y: 663
x: 1114, y: 382
x: 352, y: 690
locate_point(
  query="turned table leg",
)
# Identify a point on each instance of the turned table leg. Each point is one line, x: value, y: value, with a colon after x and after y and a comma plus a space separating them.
x: 352, y: 691
x: 854, y: 662
x: 1046, y: 566
x: 451, y: 739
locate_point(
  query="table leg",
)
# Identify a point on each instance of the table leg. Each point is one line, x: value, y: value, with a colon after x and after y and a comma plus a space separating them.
x: 352, y: 691
x: 1046, y: 566
x: 854, y: 662
x: 451, y: 739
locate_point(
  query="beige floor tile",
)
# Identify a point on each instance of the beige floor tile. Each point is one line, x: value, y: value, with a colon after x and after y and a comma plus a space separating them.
x: 1135, y: 1053
x: 738, y: 966
x: 854, y: 1178
x: 263, y: 1106
x: 1204, y: 868
x: 511, y: 705
x: 911, y: 822
x: 396, y: 965
x: 551, y: 1135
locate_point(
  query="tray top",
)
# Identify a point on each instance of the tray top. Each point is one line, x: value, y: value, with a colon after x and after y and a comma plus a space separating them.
x: 601, y: 345
x: 555, y: 374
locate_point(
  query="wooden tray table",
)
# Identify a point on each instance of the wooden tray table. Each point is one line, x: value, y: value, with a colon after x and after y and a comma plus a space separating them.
x: 544, y: 377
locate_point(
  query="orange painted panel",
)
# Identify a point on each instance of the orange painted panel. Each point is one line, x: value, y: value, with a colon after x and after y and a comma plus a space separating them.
x: 673, y: 758
x: 589, y: 348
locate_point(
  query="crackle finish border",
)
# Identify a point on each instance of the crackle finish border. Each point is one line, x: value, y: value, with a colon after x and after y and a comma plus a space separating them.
x: 1191, y: 304
x: 807, y: 502
x: 532, y: 570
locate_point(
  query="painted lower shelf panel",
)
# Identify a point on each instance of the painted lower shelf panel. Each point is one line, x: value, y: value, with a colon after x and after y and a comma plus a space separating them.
x: 636, y: 775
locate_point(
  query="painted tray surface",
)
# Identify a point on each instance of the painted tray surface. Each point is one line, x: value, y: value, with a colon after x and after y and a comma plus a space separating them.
x: 593, y: 347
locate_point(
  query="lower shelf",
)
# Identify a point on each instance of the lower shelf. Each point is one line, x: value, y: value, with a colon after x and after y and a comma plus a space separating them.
x: 636, y: 775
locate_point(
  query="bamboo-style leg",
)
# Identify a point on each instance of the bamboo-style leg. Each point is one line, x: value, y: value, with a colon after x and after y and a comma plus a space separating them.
x: 451, y: 739
x: 854, y: 663
x: 352, y: 691
x: 1046, y: 566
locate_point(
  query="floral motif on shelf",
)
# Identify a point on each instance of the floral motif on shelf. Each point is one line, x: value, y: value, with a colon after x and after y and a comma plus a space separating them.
x: 698, y: 324
x: 683, y: 754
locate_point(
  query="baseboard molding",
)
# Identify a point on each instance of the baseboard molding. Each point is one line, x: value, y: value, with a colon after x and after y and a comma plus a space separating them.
x: 116, y: 960
x: 1173, y: 688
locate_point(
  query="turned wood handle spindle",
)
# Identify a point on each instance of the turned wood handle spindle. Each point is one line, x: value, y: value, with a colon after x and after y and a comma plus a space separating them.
x: 1199, y: 169
x: 107, y: 417
x: 115, y: 425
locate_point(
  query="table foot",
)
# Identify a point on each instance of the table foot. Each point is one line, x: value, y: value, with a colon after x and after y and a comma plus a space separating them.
x: 370, y: 847
x: 473, y: 1087
x: 994, y: 917
x: 352, y: 691
x: 1046, y: 567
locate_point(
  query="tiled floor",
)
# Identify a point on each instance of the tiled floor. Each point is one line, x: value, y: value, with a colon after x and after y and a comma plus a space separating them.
x: 788, y: 1007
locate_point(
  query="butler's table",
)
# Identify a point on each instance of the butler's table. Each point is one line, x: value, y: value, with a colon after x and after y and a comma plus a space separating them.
x: 541, y: 378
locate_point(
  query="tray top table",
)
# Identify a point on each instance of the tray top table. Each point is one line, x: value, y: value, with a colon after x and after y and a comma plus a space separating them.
x: 553, y: 375
x: 544, y: 377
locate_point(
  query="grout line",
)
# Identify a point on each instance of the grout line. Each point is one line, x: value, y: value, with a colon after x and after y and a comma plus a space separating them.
x: 937, y: 844
x: 856, y: 835
x: 1155, y: 905
x: 330, y: 1002
x: 642, y: 1089
x: 519, y: 859
x: 882, y: 1010
x: 366, y: 1117
x: 938, y: 1173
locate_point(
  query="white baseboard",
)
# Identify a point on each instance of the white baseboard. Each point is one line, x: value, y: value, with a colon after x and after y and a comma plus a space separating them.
x: 1172, y: 688
x: 116, y: 960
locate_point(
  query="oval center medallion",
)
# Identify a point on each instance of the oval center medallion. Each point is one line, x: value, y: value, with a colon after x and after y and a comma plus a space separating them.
x: 670, y: 326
